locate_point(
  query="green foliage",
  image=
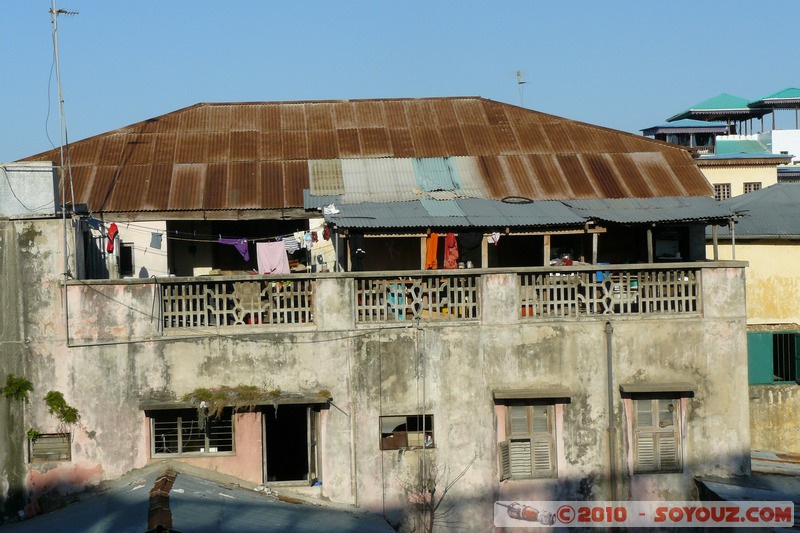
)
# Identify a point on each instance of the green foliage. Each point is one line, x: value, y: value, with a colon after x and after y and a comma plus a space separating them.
x: 59, y: 407
x: 33, y: 434
x: 17, y: 388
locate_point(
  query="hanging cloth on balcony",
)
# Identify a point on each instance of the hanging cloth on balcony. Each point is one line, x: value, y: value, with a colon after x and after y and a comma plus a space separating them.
x: 112, y: 234
x: 239, y: 244
x: 431, y: 250
x: 450, y: 251
x: 272, y: 258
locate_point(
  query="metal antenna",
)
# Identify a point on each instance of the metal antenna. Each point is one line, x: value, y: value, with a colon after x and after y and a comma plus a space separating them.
x: 520, y: 83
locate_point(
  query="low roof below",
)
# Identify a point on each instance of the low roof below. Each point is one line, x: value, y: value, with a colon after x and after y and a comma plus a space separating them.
x: 480, y: 213
x: 770, y: 213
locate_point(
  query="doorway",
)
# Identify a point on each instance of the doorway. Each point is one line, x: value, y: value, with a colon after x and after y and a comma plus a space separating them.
x: 290, y: 443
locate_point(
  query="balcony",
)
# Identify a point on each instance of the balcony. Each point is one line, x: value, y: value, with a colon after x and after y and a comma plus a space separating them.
x: 343, y: 301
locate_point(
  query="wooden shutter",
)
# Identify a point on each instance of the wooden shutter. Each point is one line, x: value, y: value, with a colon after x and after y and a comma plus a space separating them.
x: 668, y: 452
x: 542, y: 457
x: 645, y: 452
x: 521, y: 459
x: 505, y: 461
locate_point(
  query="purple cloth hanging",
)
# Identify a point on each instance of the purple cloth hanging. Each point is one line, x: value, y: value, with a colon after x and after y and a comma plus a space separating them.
x: 239, y: 244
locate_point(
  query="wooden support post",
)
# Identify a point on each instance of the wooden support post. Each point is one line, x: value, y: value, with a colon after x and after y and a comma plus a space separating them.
x: 649, y: 245
x: 595, y: 238
x: 546, y: 250
x: 714, y: 234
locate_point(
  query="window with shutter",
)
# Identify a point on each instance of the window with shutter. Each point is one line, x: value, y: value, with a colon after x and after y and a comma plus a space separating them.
x: 530, y: 448
x: 657, y: 438
x: 50, y: 447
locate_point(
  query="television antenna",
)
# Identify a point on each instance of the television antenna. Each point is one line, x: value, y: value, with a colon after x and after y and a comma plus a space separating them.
x: 520, y: 83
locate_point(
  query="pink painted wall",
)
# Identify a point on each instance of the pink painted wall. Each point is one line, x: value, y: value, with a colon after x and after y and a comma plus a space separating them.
x: 245, y: 463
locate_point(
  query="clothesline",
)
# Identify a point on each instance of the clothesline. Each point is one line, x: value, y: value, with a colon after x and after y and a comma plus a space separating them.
x: 209, y: 238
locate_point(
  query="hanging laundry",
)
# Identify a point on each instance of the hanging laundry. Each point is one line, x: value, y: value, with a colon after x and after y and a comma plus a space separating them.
x: 495, y: 238
x: 291, y: 244
x: 431, y: 250
x: 155, y: 241
x: 450, y: 251
x: 357, y: 252
x: 272, y: 258
x: 469, y: 245
x: 112, y: 234
x: 326, y: 233
x: 239, y: 244
x: 300, y: 237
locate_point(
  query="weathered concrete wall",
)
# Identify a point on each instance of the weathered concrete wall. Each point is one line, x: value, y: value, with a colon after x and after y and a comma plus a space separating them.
x: 12, y: 361
x: 775, y: 417
x: 402, y: 368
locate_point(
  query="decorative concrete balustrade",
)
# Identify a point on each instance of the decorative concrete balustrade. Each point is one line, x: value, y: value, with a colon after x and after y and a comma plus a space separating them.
x: 347, y: 300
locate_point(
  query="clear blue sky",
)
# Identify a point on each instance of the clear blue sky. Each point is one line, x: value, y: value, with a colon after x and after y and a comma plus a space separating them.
x: 621, y: 64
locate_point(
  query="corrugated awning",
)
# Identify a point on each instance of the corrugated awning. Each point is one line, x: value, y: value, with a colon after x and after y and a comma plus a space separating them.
x: 652, y: 210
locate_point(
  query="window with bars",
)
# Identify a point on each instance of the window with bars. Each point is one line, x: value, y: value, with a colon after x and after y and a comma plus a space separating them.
x: 784, y: 357
x: 722, y: 191
x: 773, y: 357
x: 406, y: 431
x: 529, y: 451
x: 752, y: 187
x: 657, y: 435
x: 50, y: 447
x: 190, y: 431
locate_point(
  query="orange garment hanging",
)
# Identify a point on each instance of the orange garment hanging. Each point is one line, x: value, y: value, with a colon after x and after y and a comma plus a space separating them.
x: 432, y: 249
x: 450, y: 251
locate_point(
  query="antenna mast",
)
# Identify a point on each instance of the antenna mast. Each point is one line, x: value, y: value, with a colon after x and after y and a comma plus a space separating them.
x: 520, y: 83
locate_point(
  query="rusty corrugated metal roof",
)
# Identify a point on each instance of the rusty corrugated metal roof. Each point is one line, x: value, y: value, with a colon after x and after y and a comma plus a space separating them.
x: 245, y: 156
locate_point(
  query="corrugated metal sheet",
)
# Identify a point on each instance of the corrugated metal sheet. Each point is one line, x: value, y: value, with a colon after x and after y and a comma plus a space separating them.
x: 454, y: 214
x: 442, y: 208
x: 650, y: 210
x: 771, y: 212
x: 435, y: 174
x: 259, y: 155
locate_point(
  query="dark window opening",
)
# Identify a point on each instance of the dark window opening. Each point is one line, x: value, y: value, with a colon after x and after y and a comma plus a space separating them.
x: 126, y: 259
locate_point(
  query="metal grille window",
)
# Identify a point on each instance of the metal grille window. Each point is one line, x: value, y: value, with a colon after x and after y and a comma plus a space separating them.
x: 412, y: 431
x: 657, y: 435
x: 784, y: 356
x: 50, y: 447
x: 190, y: 431
x: 722, y: 191
x: 752, y: 187
x: 529, y: 450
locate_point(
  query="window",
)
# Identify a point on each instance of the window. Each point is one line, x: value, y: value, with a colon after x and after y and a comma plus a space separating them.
x: 772, y: 357
x: 412, y: 431
x: 752, y: 187
x: 50, y: 447
x: 784, y: 357
x: 722, y: 191
x: 657, y: 435
x: 126, y: 259
x: 183, y: 431
x: 529, y: 450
